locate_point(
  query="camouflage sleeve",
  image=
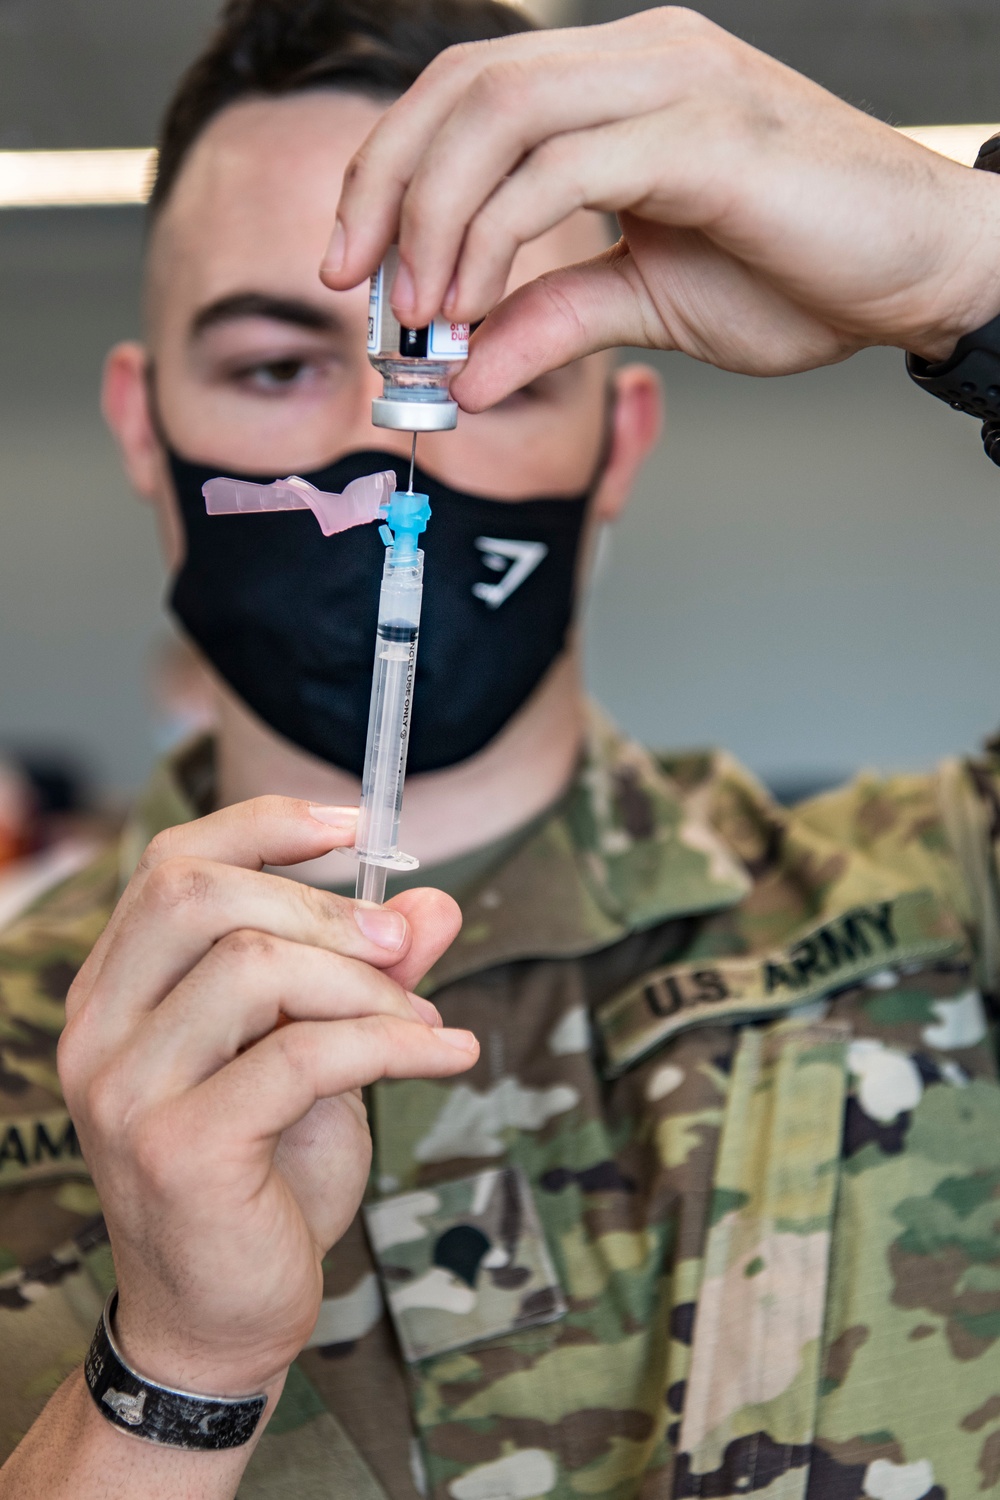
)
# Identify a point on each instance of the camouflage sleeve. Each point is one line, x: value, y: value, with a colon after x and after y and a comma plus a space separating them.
x: 54, y: 1261
x: 935, y: 832
x: 970, y: 800
x: 939, y: 831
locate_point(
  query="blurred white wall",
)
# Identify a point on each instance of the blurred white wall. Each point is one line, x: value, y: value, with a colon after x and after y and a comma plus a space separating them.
x: 808, y: 574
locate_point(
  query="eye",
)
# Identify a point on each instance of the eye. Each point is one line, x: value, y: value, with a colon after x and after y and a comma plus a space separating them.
x: 277, y: 375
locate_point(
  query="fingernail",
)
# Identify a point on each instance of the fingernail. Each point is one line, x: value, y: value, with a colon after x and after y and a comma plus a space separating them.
x: 450, y: 295
x: 427, y: 1012
x: 344, y: 818
x: 381, y: 925
x: 404, y: 293
x: 333, y: 260
x: 463, y: 1041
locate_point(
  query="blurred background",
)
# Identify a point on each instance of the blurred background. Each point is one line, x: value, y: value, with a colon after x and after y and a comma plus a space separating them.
x: 808, y: 574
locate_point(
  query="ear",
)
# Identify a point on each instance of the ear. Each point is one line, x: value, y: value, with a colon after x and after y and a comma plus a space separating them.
x: 125, y: 405
x: 636, y: 425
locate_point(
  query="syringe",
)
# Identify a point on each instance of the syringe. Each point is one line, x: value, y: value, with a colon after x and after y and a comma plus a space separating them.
x: 404, y: 516
x: 392, y: 693
x: 416, y: 365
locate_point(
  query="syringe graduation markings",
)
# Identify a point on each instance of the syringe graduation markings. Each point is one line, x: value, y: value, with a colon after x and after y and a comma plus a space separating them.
x: 392, y: 693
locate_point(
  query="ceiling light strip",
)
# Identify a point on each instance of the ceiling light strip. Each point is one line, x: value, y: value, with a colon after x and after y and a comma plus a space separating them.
x: 67, y: 179
x: 93, y: 179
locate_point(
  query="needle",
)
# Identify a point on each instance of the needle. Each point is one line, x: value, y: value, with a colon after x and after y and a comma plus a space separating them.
x: 413, y: 460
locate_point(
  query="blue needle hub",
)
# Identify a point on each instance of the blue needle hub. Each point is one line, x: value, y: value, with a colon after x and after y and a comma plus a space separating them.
x: 406, y: 521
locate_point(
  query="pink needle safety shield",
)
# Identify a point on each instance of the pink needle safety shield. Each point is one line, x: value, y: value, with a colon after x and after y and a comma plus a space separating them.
x: 364, y: 500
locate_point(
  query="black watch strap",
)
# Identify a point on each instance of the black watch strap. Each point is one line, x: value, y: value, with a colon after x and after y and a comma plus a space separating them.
x: 969, y: 380
x: 158, y: 1413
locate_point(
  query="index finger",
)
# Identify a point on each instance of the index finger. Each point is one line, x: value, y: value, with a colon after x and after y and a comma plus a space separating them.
x: 378, y: 176
x: 377, y: 179
x: 264, y: 831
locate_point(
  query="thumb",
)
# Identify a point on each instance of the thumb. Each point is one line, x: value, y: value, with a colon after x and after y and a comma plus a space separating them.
x: 557, y: 318
x: 434, y: 921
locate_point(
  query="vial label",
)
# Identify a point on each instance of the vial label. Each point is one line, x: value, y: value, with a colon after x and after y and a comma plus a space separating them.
x: 375, y: 309
x: 387, y: 339
x: 448, y: 340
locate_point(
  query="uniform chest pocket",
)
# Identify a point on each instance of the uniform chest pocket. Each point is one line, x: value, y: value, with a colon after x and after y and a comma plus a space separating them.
x: 463, y: 1261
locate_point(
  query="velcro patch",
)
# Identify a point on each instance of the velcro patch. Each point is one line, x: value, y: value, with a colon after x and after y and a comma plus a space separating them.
x: 37, y: 1147
x: 911, y: 928
x: 463, y: 1261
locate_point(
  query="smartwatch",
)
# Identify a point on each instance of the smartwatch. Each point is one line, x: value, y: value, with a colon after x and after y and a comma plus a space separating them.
x: 969, y: 379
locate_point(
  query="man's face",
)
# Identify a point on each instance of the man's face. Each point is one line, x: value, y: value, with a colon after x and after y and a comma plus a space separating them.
x: 261, y: 368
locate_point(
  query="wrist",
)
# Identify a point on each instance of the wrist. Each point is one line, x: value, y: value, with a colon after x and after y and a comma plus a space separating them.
x: 964, y: 294
x: 193, y: 1365
x: 162, y: 1414
x: 72, y: 1450
x: 937, y: 345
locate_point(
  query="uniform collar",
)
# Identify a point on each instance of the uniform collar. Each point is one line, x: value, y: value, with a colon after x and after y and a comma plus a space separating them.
x: 627, y: 847
x: 623, y: 850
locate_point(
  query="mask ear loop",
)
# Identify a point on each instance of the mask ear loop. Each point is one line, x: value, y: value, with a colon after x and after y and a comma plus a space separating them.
x: 607, y: 443
x: 592, y: 558
x: 152, y: 401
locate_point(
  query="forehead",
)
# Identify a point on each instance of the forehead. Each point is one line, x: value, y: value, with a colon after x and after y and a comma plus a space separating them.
x: 254, y: 204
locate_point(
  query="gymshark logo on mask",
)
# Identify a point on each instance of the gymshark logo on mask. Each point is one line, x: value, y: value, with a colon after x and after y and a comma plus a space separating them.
x: 520, y: 559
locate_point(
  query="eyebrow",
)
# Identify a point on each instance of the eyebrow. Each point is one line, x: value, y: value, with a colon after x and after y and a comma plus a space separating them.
x: 240, y: 305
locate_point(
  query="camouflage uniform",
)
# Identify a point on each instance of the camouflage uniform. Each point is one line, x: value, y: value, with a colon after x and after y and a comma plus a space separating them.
x: 716, y: 1213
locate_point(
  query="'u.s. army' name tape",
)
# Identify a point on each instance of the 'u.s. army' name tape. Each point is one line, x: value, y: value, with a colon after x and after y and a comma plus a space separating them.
x: 911, y: 928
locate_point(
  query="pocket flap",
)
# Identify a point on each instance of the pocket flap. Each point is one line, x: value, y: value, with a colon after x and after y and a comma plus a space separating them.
x: 463, y: 1261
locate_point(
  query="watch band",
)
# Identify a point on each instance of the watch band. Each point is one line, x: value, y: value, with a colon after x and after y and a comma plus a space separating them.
x: 969, y: 380
x: 158, y: 1413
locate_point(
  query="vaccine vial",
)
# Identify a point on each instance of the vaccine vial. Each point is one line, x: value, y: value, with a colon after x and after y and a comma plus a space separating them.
x: 416, y: 364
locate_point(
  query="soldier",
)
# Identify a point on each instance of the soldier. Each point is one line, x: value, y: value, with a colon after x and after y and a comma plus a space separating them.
x: 680, y: 1162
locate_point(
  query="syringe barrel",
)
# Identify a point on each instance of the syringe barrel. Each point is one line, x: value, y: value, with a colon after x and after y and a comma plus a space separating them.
x: 391, y: 702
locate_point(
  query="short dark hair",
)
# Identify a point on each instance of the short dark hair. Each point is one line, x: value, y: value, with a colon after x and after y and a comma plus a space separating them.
x: 275, y: 47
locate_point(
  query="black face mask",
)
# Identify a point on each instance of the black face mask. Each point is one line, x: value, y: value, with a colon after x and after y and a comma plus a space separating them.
x: 287, y: 616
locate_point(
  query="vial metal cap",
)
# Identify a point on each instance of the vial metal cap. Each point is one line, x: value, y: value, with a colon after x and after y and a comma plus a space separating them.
x: 414, y: 416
